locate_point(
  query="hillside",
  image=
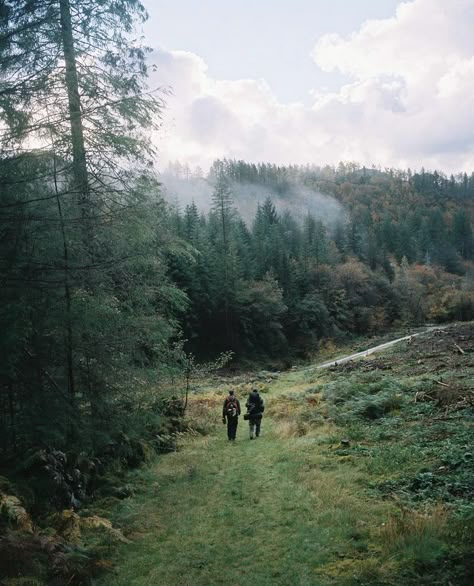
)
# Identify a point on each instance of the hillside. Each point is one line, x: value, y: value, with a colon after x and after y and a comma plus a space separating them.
x: 364, y: 475
x: 419, y: 215
x: 276, y: 260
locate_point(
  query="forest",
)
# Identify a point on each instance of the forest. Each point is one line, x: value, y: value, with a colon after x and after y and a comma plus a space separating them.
x: 399, y: 249
x: 112, y: 299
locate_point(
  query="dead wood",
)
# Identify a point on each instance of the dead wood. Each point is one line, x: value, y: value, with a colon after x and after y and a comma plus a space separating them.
x: 459, y: 349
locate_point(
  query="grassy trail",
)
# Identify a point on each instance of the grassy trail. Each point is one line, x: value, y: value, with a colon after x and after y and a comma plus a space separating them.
x: 273, y: 511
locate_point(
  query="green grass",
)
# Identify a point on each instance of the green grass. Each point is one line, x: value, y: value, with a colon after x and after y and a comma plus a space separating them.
x: 297, y: 508
x: 260, y: 512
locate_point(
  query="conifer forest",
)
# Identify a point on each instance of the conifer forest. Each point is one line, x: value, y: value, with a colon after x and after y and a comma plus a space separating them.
x: 126, y: 290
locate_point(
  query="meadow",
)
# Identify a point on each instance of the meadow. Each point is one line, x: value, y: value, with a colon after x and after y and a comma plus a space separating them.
x: 363, y: 475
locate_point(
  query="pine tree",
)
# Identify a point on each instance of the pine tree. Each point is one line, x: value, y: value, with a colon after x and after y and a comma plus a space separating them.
x: 315, y: 240
x: 223, y: 208
x: 462, y: 236
x: 223, y: 213
x: 339, y: 237
x: 85, y: 275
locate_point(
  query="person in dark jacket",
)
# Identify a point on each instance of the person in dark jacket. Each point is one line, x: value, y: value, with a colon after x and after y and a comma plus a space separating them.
x: 230, y: 413
x: 255, y: 409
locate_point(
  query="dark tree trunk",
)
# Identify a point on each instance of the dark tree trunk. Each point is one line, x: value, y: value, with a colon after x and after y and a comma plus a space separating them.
x: 74, y: 100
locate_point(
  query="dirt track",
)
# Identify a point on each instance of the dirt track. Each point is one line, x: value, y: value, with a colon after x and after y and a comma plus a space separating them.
x: 378, y: 348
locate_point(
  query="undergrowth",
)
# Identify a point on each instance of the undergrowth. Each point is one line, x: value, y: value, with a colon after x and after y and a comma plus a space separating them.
x: 410, y: 432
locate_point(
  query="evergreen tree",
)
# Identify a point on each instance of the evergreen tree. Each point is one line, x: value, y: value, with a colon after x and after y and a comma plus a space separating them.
x: 339, y: 238
x: 223, y: 213
x: 462, y: 234
x: 315, y: 240
x: 86, y: 273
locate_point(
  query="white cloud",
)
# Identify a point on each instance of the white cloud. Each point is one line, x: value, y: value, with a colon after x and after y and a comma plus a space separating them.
x: 409, y: 100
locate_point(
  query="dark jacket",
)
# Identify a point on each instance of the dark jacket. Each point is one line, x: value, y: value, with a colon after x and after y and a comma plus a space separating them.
x: 255, y: 405
x: 228, y: 403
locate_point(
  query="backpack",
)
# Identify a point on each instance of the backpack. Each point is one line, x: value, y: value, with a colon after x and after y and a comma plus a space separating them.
x: 231, y: 407
x: 255, y: 405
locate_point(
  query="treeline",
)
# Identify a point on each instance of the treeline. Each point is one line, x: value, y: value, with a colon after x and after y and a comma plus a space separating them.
x: 427, y: 184
x: 279, y: 286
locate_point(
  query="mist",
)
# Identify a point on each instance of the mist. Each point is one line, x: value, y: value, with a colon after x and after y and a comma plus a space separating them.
x: 181, y: 190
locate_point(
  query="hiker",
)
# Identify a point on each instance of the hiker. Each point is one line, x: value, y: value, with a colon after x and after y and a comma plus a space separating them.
x: 255, y: 409
x: 230, y: 413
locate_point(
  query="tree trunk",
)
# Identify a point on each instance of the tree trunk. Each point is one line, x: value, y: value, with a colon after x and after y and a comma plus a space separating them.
x: 67, y: 290
x: 75, y: 115
x: 228, y: 322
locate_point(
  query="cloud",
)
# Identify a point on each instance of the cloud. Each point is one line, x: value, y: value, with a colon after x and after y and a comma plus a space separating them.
x: 423, y: 38
x: 408, y: 100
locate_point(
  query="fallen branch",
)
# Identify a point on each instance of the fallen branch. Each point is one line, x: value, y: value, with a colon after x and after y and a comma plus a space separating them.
x: 459, y: 349
x: 440, y: 383
x: 423, y: 396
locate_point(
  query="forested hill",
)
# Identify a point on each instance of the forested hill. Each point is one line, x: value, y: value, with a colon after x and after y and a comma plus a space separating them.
x: 421, y: 215
x: 433, y: 187
x: 323, y: 253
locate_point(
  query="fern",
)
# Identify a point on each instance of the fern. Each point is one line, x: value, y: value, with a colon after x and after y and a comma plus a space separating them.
x: 12, y: 510
x: 70, y: 526
x: 101, y: 523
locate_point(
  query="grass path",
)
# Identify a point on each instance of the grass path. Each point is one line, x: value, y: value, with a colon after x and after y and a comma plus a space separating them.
x: 274, y: 511
x: 296, y: 507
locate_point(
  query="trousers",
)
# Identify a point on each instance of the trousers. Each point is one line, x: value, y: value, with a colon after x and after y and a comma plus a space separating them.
x: 254, y: 427
x: 232, y: 423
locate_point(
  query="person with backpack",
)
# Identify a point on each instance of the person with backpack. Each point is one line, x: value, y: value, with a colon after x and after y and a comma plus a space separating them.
x: 230, y: 413
x: 255, y: 409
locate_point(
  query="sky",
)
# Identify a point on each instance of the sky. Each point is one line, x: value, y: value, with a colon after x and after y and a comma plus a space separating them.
x: 378, y: 82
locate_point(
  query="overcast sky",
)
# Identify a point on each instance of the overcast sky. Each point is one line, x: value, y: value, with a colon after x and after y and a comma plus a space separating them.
x: 379, y: 82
